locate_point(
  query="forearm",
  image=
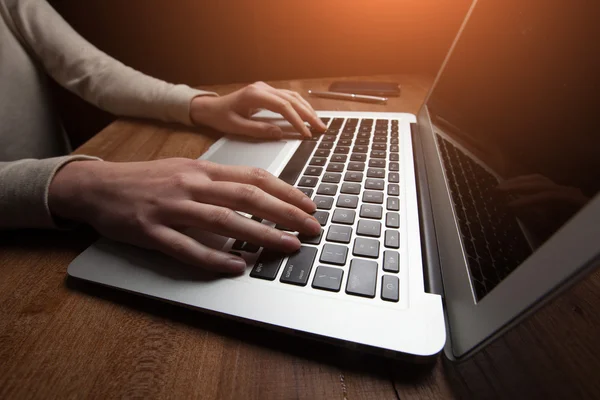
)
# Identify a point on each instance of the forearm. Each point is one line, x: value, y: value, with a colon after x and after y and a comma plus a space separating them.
x: 93, y: 75
x: 24, y: 188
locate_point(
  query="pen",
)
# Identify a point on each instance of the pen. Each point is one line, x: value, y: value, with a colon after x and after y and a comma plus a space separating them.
x: 349, y: 96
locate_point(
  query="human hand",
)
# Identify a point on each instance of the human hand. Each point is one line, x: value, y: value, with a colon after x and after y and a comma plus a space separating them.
x: 231, y: 113
x: 149, y: 204
x: 537, y: 190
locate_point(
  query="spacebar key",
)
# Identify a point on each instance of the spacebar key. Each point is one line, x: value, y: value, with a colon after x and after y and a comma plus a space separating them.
x: 298, y: 267
x: 296, y: 164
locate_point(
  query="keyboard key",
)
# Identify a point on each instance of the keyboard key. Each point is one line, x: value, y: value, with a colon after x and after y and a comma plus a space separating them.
x: 376, y: 173
x: 323, y: 203
x: 368, y: 228
x: 360, y: 149
x: 366, y: 247
x: 394, y: 148
x: 362, y: 142
x: 267, y: 265
x: 389, y: 288
x: 356, y: 166
x: 353, y: 176
x: 339, y: 158
x: 370, y: 196
x: 392, y: 239
x: 328, y: 278
x: 371, y: 211
x: 362, y: 278
x: 393, y: 204
x: 380, y: 139
x: 341, y: 150
x: 335, y: 167
x: 394, y: 177
x: 297, y: 269
x: 394, y: 166
x: 322, y: 153
x: 350, y: 188
x: 392, y: 220
x: 394, y: 156
x: 347, y: 135
x: 318, y: 161
x: 329, y: 138
x: 376, y: 184
x: 326, y: 145
x: 331, y: 177
x: 321, y: 216
x: 358, y: 157
x: 313, y: 171
x: 306, y: 191
x: 379, y: 146
x: 345, y: 142
x: 328, y: 189
x: 347, y: 201
x: 311, y: 239
x: 364, y: 134
x: 391, y: 261
x: 393, y: 189
x: 394, y: 141
x: 251, y: 248
x: 338, y: 233
x: 308, y: 181
x: 377, y: 163
x: 334, y: 254
x: 377, y: 154
x: 341, y: 216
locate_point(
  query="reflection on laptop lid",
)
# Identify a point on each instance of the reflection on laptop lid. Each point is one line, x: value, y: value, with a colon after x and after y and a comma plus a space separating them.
x: 512, y: 118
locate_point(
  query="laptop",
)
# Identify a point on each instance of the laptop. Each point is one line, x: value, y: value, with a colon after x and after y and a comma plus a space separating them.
x: 440, y: 230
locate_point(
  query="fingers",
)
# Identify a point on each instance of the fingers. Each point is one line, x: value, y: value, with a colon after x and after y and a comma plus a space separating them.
x: 288, y: 109
x: 305, y: 109
x: 189, y: 251
x: 252, y: 200
x: 261, y: 179
x: 228, y: 223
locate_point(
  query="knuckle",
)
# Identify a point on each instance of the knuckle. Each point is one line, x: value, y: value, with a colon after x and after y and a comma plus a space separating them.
x: 247, y: 194
x: 258, y: 175
x: 292, y: 213
x: 285, y: 104
x: 221, y: 217
x: 180, y: 180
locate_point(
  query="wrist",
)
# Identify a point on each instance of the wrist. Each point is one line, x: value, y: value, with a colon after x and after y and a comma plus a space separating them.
x: 201, y: 109
x: 68, y: 189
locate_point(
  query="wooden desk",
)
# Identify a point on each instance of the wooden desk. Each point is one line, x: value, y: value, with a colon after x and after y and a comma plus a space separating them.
x: 60, y: 338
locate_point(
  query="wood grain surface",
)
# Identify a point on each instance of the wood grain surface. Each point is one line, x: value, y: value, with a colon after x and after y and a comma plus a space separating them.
x: 61, y: 338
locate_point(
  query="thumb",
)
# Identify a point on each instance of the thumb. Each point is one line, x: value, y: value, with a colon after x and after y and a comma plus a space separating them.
x: 257, y: 129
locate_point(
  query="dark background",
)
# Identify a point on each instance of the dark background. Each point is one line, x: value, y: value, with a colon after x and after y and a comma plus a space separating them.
x: 210, y: 42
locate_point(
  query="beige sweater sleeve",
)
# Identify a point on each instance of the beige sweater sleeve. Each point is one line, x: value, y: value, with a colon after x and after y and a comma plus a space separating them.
x: 24, y: 191
x: 93, y: 75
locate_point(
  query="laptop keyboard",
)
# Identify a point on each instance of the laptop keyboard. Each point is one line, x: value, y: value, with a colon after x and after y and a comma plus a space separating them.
x: 493, y: 241
x: 352, y: 174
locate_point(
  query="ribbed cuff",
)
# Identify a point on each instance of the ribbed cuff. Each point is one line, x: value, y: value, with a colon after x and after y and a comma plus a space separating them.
x: 24, y: 186
x: 180, y: 100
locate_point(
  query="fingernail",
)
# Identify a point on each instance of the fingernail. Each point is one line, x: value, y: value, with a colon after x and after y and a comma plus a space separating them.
x: 290, y: 242
x: 312, y: 225
x: 236, y: 264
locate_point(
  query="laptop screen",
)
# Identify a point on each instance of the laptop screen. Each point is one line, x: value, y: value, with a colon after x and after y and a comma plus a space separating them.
x: 514, y: 114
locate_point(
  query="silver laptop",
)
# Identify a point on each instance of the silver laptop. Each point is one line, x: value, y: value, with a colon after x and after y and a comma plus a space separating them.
x: 440, y: 230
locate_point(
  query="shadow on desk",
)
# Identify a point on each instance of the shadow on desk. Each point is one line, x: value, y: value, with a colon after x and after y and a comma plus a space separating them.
x: 296, y: 346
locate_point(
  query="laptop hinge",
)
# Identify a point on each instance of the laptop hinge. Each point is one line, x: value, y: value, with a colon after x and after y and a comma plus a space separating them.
x: 431, y: 261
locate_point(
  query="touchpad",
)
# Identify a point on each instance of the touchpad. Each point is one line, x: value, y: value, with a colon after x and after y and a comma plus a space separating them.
x: 248, y: 153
